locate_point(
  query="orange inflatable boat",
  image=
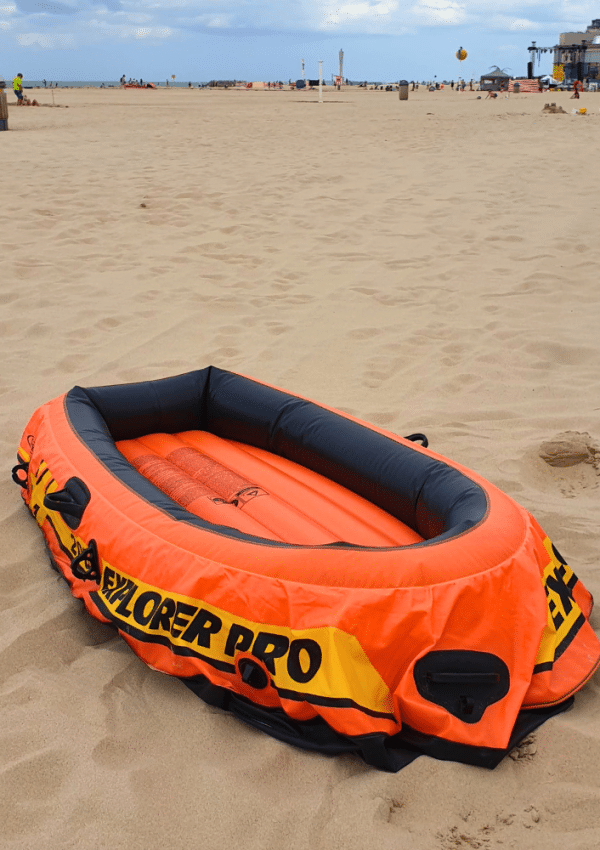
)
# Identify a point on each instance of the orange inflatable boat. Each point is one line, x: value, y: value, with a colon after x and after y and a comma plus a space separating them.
x: 339, y: 587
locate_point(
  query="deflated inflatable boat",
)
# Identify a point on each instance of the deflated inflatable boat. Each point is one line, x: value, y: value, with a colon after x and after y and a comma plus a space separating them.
x: 339, y: 587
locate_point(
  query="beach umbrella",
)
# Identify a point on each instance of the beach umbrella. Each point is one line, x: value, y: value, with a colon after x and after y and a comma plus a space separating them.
x: 461, y: 54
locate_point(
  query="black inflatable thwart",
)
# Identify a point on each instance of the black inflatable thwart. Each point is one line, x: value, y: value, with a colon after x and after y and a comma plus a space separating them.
x: 418, y: 438
x: 86, y: 565
x: 20, y: 473
x: 70, y: 502
x: 463, y: 682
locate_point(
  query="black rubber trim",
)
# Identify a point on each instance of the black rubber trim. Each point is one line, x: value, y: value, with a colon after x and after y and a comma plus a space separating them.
x: 424, y: 493
x: 381, y: 751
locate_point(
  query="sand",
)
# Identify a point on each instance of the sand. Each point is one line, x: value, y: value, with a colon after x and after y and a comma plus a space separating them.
x: 429, y: 265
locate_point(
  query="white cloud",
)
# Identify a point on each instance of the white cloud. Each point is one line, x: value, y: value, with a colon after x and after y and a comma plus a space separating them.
x: 152, y: 32
x: 439, y: 12
x: 220, y: 21
x: 45, y: 41
x: 363, y: 17
x: 356, y: 11
x: 56, y: 22
x: 517, y: 25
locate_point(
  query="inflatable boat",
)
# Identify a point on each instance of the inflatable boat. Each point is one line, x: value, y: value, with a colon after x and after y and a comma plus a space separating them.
x: 342, y: 588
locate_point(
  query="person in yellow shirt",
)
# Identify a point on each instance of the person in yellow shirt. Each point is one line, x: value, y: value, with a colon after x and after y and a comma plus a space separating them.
x: 18, y: 88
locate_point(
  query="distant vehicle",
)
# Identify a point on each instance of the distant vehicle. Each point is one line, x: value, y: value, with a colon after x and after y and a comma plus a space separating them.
x: 549, y: 81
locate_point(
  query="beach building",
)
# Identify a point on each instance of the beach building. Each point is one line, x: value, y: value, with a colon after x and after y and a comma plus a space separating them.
x: 495, y: 80
x: 576, y: 56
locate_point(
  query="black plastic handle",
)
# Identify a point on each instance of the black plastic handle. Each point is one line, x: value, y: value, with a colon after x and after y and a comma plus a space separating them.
x: 70, y: 502
x: 86, y: 566
x: 16, y: 474
x: 418, y: 438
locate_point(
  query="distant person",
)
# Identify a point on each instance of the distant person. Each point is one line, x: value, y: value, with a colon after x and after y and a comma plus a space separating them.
x: 18, y: 88
x: 44, y: 81
x: 577, y: 87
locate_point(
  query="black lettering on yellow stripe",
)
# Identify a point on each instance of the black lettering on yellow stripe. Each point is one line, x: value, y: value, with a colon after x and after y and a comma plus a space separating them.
x: 299, y: 649
x: 108, y: 581
x: 163, y: 615
x: 120, y: 585
x: 125, y: 595
x: 157, y: 637
x: 145, y: 606
x: 304, y: 655
x: 239, y: 638
x: 202, y: 627
x: 181, y: 619
x: 557, y: 583
x: 40, y: 473
x: 69, y: 552
x: 565, y: 616
x: 269, y: 646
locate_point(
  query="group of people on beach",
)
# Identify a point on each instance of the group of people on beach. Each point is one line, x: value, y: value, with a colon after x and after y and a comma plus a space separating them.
x: 22, y: 100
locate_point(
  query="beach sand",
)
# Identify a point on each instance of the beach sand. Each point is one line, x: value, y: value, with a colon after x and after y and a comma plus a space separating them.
x: 429, y: 265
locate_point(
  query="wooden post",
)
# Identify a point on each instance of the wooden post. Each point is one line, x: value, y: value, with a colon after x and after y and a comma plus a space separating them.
x: 3, y: 111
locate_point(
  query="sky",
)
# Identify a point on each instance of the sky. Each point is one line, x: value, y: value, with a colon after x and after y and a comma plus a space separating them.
x: 200, y: 40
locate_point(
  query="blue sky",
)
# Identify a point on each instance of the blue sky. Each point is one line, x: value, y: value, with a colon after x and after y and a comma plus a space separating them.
x: 266, y: 39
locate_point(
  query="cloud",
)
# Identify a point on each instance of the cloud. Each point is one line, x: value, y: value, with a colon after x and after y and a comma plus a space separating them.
x: 112, y: 21
x: 38, y: 7
x: 152, y: 32
x: 361, y: 16
x: 508, y: 24
x: 440, y: 12
x: 45, y: 41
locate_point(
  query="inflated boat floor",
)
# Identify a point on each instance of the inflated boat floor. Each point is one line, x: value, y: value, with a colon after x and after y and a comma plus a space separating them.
x: 259, y: 493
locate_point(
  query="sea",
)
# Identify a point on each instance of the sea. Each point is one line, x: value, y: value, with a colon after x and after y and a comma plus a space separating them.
x: 96, y: 84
